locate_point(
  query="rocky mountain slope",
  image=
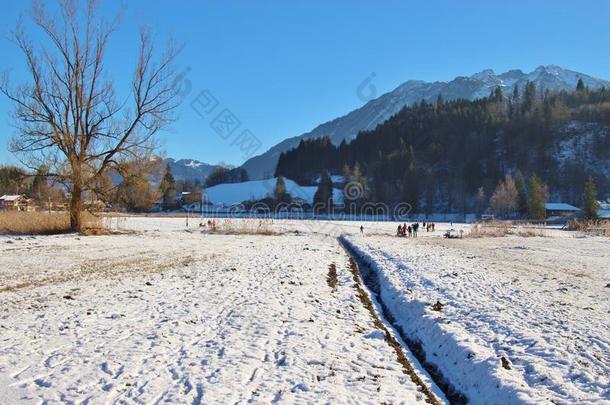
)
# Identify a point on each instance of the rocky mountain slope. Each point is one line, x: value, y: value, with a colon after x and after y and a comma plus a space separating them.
x: 376, y: 111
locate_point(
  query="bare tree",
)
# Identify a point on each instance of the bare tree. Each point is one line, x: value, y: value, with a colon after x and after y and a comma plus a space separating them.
x: 505, y: 199
x: 69, y: 117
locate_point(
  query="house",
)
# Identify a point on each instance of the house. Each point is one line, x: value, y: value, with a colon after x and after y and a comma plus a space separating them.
x: 604, y: 210
x: 16, y: 202
x: 560, y: 210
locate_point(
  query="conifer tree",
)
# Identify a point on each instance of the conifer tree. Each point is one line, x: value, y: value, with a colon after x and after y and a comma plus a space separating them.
x: 167, y: 189
x: 522, y: 190
x: 591, y: 206
x: 439, y: 100
x: 497, y: 95
x: 40, y: 186
x: 536, y: 200
x: 580, y: 86
x: 323, y: 198
x: 529, y: 97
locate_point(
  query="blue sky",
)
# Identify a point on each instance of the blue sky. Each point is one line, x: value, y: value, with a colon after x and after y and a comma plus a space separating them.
x: 283, y: 67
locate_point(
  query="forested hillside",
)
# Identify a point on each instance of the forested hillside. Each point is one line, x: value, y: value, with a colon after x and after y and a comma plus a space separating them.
x: 449, y: 156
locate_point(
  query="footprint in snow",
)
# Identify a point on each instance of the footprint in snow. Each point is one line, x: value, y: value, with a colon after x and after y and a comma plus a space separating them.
x: 376, y: 334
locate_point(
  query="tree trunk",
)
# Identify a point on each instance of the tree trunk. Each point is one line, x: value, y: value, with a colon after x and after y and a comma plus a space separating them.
x: 76, y: 208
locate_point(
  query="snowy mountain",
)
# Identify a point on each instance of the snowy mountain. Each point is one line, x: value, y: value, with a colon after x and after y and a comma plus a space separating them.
x: 376, y: 111
x: 189, y: 169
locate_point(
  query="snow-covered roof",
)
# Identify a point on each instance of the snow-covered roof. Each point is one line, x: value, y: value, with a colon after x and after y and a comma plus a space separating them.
x: 603, y: 213
x: 11, y: 197
x: 560, y: 207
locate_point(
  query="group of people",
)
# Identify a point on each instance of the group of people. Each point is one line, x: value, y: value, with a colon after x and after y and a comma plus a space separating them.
x: 411, y: 230
x: 407, y: 230
x: 211, y: 225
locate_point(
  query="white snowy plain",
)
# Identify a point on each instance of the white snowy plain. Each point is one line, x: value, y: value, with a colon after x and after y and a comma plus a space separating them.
x: 539, y: 302
x: 165, y: 314
x: 169, y: 316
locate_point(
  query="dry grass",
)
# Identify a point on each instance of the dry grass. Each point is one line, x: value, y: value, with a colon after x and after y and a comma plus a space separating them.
x: 597, y: 227
x: 43, y: 223
x: 498, y: 229
x: 245, y: 227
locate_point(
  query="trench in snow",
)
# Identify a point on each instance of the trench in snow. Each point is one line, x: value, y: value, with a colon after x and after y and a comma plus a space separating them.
x: 370, y: 280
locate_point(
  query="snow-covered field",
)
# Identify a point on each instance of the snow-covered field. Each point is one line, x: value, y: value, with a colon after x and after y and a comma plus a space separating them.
x: 175, y: 316
x: 164, y: 314
x: 538, y: 305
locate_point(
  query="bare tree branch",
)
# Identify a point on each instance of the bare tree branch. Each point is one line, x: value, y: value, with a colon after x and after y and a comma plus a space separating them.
x: 69, y: 114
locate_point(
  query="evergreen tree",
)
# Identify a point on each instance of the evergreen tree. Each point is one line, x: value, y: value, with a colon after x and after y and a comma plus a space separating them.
x: 591, y: 206
x: 225, y: 175
x: 40, y: 186
x: 522, y: 191
x: 537, y: 199
x: 410, y: 185
x: 515, y: 96
x: 323, y: 198
x: 580, y: 86
x: 497, y: 95
x: 12, y: 180
x: 529, y: 97
x: 514, y: 103
x: 439, y: 100
x: 167, y: 189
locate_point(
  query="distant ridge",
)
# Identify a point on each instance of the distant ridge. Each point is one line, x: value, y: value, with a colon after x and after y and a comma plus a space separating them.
x: 550, y: 77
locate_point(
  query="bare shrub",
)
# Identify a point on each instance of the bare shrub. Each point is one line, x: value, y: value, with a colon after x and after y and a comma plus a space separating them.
x: 250, y: 226
x: 42, y: 223
x: 497, y: 229
x: 593, y: 227
x: 529, y: 230
x: 492, y: 229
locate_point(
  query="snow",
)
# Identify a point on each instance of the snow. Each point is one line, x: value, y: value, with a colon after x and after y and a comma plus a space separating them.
x: 194, y: 164
x: 577, y: 147
x: 8, y: 197
x: 541, y: 303
x: 560, y: 207
x: 165, y: 313
x: 236, y: 193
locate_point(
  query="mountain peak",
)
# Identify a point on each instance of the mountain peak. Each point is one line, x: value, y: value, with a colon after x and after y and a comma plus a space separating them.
x: 551, y: 69
x: 484, y: 75
x: 374, y: 112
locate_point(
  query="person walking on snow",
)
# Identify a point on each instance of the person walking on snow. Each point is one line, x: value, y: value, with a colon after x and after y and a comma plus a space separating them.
x: 361, y: 229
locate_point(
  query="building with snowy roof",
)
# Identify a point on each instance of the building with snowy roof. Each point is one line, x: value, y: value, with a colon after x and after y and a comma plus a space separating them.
x: 560, y: 209
x: 16, y: 202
